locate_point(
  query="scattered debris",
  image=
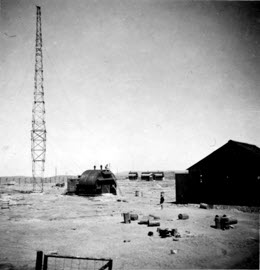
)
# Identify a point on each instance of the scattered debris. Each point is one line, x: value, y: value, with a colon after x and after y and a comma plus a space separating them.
x: 119, y: 200
x: 144, y: 220
x: 174, y: 232
x: 133, y: 216
x: 232, y: 221
x: 164, y: 232
x: 178, y: 235
x: 150, y: 233
x: 153, y: 223
x: 204, y: 206
x: 225, y: 222
x: 126, y: 241
x: 173, y: 251
x: 217, y: 222
x: 183, y: 216
x: 127, y: 218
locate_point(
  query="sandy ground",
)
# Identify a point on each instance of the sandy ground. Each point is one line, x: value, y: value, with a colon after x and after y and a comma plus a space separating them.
x: 93, y: 227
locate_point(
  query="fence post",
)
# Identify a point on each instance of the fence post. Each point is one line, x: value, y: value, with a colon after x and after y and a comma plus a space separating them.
x: 38, y: 265
x: 45, y: 262
x: 110, y: 265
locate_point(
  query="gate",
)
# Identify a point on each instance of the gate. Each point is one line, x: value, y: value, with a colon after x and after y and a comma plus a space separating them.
x: 62, y: 262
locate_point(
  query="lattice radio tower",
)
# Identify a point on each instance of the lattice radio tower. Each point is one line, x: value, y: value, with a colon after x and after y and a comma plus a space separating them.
x: 38, y: 132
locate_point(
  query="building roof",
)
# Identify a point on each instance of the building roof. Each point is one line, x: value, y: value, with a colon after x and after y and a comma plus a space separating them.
x: 231, y: 152
x: 146, y: 173
x: 135, y: 173
x: 248, y: 147
x: 158, y: 173
x: 90, y: 177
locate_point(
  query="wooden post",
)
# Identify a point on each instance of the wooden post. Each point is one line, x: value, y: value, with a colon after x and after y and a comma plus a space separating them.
x: 110, y: 265
x: 38, y: 265
x: 45, y: 262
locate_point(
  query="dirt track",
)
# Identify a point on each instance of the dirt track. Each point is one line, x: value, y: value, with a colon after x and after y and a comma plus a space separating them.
x: 93, y: 227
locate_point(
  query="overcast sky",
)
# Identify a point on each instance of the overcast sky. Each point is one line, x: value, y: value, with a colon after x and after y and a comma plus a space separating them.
x: 142, y: 85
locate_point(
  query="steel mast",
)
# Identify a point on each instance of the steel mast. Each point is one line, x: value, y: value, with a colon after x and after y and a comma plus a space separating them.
x: 38, y: 132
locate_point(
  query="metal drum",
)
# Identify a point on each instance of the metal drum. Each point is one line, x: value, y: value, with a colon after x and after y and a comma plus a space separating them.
x: 127, y: 218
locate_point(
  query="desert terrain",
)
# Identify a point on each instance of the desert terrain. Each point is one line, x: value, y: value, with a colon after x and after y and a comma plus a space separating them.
x: 93, y: 227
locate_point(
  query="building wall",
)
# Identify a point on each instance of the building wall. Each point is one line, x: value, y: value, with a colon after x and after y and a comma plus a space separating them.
x: 231, y: 187
x: 223, y: 187
x: 182, y: 181
x: 230, y: 175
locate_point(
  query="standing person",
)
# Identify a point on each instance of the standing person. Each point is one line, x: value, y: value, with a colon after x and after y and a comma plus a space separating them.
x: 162, y: 200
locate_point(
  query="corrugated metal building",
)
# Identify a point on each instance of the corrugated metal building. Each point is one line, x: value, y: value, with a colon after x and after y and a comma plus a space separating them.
x: 159, y: 176
x: 147, y: 176
x: 133, y: 175
x: 230, y: 175
x: 93, y: 182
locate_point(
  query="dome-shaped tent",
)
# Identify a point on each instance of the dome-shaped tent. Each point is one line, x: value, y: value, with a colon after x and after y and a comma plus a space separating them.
x: 95, y: 182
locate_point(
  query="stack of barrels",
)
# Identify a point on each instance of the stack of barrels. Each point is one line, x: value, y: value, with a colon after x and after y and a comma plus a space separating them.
x: 224, y: 222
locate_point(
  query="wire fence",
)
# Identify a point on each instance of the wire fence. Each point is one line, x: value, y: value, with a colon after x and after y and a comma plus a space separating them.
x: 56, y: 262
x: 13, y: 256
x: 25, y: 184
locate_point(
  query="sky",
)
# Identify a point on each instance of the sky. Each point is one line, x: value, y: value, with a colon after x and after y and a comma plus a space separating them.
x: 137, y: 84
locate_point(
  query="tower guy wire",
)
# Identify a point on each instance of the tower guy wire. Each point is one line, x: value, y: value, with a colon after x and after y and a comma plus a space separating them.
x: 38, y: 132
